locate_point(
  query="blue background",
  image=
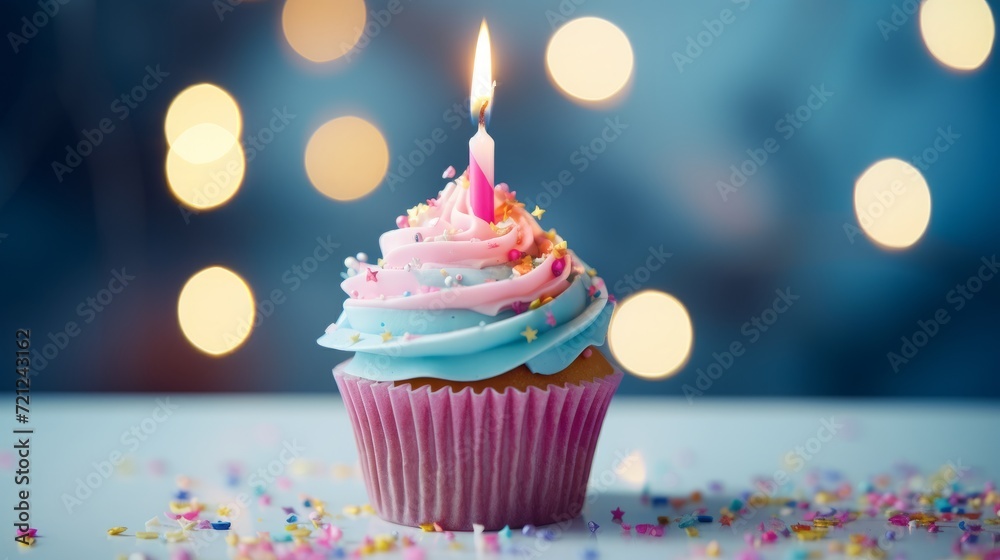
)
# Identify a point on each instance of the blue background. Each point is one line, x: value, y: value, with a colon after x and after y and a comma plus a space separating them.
x: 654, y: 186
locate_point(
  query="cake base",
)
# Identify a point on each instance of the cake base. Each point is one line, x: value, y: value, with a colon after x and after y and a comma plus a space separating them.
x: 480, y: 453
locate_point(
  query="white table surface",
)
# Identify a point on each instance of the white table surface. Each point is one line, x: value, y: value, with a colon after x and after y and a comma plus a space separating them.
x: 678, y: 448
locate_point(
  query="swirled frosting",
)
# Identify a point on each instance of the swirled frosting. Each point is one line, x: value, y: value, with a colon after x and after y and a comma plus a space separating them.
x: 456, y: 298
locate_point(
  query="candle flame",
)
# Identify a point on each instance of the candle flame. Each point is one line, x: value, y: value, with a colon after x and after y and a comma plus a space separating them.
x: 482, y: 77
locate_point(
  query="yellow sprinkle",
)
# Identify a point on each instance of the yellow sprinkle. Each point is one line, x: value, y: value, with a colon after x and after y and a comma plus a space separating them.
x: 383, y: 545
x: 147, y: 535
x: 249, y: 540
x: 179, y: 507
x: 117, y: 530
x: 876, y: 553
x: 853, y: 549
x: 535, y: 304
x: 427, y: 527
x: 444, y: 272
x: 591, y: 272
x: 713, y: 548
x: 380, y: 261
x: 351, y: 510
x: 223, y: 511
x: 291, y: 527
x: 175, y: 536
x: 691, y: 531
x: 455, y: 545
x: 26, y: 541
x: 825, y: 497
x: 303, y: 532
x: 367, y: 508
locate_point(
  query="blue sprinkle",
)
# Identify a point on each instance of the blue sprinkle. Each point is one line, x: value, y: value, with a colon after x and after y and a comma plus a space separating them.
x: 659, y: 501
x: 307, y: 503
x: 590, y: 554
x: 338, y: 552
x: 291, y: 518
x: 258, y: 490
x: 221, y: 525
x: 593, y: 526
x: 798, y: 554
x: 704, y: 519
x: 505, y: 532
x: 735, y: 506
x: 687, y: 520
x: 282, y: 537
x: 528, y: 530
x: 406, y: 294
x: 183, y: 494
x: 961, y: 525
x: 890, y: 535
x: 547, y: 534
x: 972, y: 538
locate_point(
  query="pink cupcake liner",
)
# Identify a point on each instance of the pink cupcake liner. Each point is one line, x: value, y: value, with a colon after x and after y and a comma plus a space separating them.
x: 492, y: 458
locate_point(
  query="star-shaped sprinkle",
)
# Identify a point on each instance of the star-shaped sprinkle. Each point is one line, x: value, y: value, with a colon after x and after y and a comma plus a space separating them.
x: 617, y: 514
x: 371, y: 275
x: 223, y: 511
x: 530, y: 334
x: 726, y: 521
x: 551, y: 234
x: 355, y: 337
x: 386, y: 335
x: 538, y: 212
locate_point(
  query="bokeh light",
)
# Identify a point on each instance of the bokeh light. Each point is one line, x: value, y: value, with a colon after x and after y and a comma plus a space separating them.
x: 205, y: 184
x: 589, y: 58
x: 323, y: 30
x: 959, y: 33
x: 633, y: 469
x: 200, y: 104
x: 346, y: 158
x: 216, y: 310
x: 893, y: 203
x: 651, y: 334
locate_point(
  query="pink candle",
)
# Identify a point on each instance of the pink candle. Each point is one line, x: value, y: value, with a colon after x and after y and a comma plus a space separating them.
x: 481, y: 145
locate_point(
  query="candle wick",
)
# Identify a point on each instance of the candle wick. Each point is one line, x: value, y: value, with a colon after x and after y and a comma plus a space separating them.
x: 482, y: 112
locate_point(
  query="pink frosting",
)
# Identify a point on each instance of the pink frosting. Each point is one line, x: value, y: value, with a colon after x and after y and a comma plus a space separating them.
x: 445, y: 233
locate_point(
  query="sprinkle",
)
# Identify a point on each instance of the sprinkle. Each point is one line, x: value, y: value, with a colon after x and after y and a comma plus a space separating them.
x: 587, y: 352
x: 221, y: 525
x: 687, y: 520
x: 538, y: 212
x: 713, y: 548
x: 505, y: 532
x: 642, y: 528
x: 529, y: 333
x: 386, y: 336
x: 427, y: 527
x: 626, y: 527
x: 691, y: 531
x: 351, y: 510
x: 705, y: 519
x: 154, y: 522
x: 663, y: 520
x: 593, y: 526
x: 550, y: 319
x: 558, y: 266
x: 117, y: 530
x: 354, y: 338
x: 448, y: 173
x: 402, y: 222
x: 547, y: 534
x: 371, y: 275
x: 529, y: 530
x: 147, y: 535
x: 617, y: 514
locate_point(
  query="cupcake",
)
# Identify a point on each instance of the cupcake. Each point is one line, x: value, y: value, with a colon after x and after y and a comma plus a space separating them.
x: 475, y: 392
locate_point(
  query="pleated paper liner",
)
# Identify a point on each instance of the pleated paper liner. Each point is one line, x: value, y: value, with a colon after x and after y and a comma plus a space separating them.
x: 511, y: 458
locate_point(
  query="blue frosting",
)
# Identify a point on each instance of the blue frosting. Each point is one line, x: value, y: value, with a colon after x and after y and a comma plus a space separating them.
x: 462, y: 345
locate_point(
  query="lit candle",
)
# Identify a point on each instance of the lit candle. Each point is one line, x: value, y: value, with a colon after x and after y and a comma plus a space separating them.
x: 481, y: 145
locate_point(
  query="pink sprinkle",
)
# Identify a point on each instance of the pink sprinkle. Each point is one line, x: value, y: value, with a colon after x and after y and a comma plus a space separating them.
x: 656, y: 531
x: 413, y: 553
x: 190, y: 515
x: 31, y: 532
x: 284, y: 483
x: 173, y: 516
x: 402, y: 222
x: 587, y: 352
x: 513, y: 255
x: 558, y: 266
x: 769, y: 537
x: 265, y: 500
x: 899, y: 520
x: 448, y: 173
x: 334, y: 533
x: 642, y: 528
x: 809, y: 516
x: 626, y: 527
